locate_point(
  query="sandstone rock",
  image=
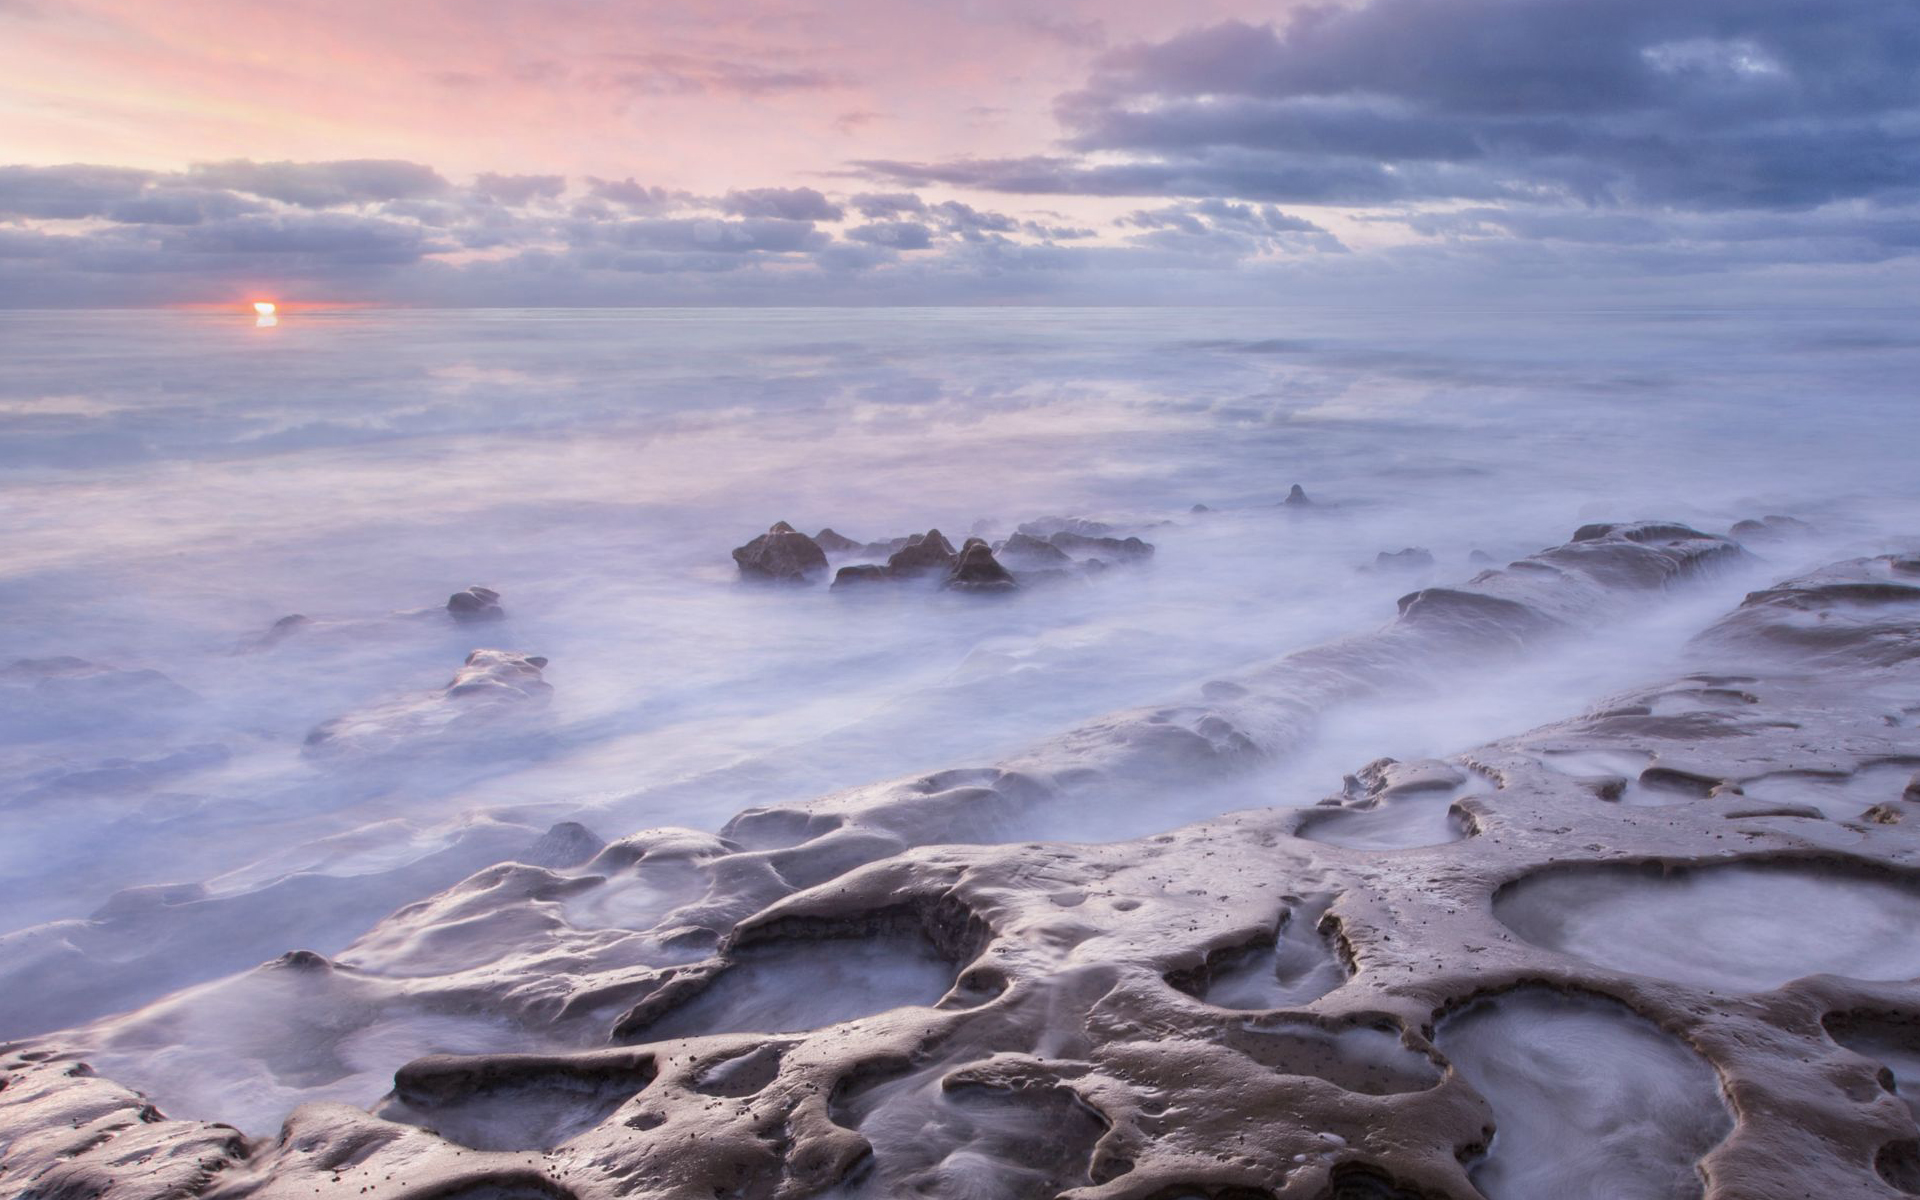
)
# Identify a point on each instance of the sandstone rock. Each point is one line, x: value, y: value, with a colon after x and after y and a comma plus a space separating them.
x: 782, y: 555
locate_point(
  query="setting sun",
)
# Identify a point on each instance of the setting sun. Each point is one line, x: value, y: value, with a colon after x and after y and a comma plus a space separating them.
x: 264, y: 307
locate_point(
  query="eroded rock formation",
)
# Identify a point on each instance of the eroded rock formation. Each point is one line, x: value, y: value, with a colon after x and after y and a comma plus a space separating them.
x: 889, y: 992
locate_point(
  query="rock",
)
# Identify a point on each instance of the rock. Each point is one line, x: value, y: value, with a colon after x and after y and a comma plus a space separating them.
x: 1479, y: 558
x: 922, y: 555
x: 864, y: 573
x: 1770, y: 529
x: 834, y: 543
x: 1912, y: 791
x: 1120, y: 548
x: 782, y: 555
x: 490, y: 687
x: 567, y: 844
x: 476, y: 604
x: 979, y: 571
x: 1297, y: 498
x: 1197, y: 509
x: 1411, y: 559
x: 1025, y: 552
x: 1046, y: 527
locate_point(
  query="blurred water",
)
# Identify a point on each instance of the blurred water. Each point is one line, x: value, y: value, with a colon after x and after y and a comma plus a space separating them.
x: 171, y: 484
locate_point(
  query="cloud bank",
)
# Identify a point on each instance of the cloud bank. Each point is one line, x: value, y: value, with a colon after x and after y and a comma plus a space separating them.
x: 1346, y: 147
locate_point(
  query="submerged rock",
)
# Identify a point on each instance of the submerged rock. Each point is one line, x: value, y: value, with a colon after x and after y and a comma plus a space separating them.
x: 475, y: 604
x: 489, y: 687
x: 1413, y: 558
x: 781, y: 555
x: 1046, y: 527
x: 1025, y: 552
x: 1770, y: 529
x: 1127, y: 549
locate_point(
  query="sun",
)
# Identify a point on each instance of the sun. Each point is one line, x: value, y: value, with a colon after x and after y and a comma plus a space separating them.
x: 265, y: 308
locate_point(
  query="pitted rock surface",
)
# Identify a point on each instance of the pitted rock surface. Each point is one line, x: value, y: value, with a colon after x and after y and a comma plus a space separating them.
x: 1076, y: 977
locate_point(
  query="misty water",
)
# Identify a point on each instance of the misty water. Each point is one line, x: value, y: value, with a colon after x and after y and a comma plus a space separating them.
x: 175, y: 484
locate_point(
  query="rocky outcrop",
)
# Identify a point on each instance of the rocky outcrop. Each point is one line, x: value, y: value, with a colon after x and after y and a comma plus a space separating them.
x: 1024, y: 552
x: 899, y: 990
x: 1111, y: 549
x: 834, y: 543
x: 978, y: 571
x: 781, y: 555
x: 924, y: 554
x: 1297, y: 498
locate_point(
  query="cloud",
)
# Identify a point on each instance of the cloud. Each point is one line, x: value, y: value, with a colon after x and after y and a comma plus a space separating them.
x: 634, y: 196
x: 322, y: 184
x: 897, y: 235
x: 875, y: 205
x: 67, y: 192
x: 519, y: 189
x: 1689, y: 104
x: 660, y: 74
x: 792, y: 204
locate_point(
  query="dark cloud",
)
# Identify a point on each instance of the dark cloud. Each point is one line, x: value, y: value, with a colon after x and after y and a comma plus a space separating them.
x: 322, y: 184
x: 792, y: 204
x: 875, y: 205
x: 67, y: 192
x: 1221, y: 227
x: 338, y: 237
x: 897, y: 235
x: 1689, y: 104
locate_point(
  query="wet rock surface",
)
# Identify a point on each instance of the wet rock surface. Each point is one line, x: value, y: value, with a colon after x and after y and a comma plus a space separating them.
x: 781, y: 555
x: 1423, y: 1020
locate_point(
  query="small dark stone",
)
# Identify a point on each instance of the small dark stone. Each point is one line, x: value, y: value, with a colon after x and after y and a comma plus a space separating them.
x: 782, y: 554
x: 1297, y: 498
x: 1479, y: 558
x: 864, y: 573
x: 1199, y: 508
x: 475, y: 604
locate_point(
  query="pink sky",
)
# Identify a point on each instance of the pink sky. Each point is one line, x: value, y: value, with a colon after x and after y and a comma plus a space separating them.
x: 699, y: 96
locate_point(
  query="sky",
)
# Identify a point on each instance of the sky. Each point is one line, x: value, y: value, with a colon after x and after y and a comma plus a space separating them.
x: 506, y: 152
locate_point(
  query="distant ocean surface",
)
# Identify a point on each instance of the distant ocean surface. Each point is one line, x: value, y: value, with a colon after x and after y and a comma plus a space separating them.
x: 173, y: 484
